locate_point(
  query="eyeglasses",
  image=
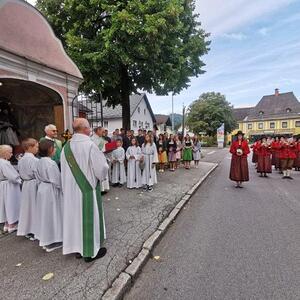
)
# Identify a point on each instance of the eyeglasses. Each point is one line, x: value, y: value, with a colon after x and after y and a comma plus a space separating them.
x: 54, y: 130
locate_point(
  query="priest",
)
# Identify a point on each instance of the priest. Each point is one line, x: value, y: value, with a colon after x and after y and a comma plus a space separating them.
x: 83, y: 167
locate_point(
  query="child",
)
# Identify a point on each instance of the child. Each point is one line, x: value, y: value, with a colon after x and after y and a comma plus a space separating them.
x: 187, y: 152
x: 150, y: 158
x: 196, y: 151
x: 10, y: 193
x: 172, y: 152
x: 178, y: 151
x: 133, y: 155
x: 118, y: 169
x: 162, y: 154
x: 49, y: 199
x: 27, y: 169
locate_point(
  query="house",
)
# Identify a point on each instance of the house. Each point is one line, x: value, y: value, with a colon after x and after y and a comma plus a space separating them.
x: 163, y: 124
x: 38, y: 80
x: 273, y: 115
x: 141, y: 113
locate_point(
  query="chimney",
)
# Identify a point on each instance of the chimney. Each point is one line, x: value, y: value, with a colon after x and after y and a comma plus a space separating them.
x: 276, y: 92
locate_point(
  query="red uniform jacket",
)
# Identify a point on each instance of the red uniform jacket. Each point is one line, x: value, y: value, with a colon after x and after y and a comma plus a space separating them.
x: 243, y: 145
x: 276, y: 147
x: 263, y: 150
x: 287, y: 151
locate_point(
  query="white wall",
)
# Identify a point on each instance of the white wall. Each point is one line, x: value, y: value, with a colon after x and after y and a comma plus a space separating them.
x: 142, y: 117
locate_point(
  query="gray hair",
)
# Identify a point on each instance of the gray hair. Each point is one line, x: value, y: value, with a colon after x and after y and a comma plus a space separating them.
x: 49, y: 127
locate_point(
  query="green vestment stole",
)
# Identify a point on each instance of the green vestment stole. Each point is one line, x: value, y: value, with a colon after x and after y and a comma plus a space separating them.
x: 87, y: 204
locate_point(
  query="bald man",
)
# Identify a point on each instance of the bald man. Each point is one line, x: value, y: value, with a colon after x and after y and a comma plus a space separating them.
x: 83, y: 167
x: 51, y: 134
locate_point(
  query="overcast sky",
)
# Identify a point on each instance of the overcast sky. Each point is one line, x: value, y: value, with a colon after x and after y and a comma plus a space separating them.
x: 255, y: 49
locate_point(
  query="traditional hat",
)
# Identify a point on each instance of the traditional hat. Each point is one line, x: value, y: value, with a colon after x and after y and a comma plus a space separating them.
x: 240, y: 133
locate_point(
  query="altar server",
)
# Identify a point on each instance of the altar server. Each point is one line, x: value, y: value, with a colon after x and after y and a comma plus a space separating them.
x: 83, y: 166
x: 49, y: 199
x: 10, y: 192
x: 27, y: 169
x: 118, y: 177
x: 133, y: 155
x: 150, y: 159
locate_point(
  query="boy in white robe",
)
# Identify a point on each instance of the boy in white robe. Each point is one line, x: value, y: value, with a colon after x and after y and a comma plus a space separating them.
x: 27, y: 168
x: 10, y: 191
x: 49, y: 199
x: 134, y: 176
x: 150, y: 159
x: 118, y: 169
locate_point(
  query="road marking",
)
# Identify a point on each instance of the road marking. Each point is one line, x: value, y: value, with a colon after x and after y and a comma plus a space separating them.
x: 212, y: 152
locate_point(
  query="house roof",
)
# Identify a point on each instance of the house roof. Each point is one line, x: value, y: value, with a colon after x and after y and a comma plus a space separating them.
x: 163, y: 119
x: 110, y: 112
x: 26, y: 33
x: 283, y: 105
x: 241, y: 113
x: 272, y: 106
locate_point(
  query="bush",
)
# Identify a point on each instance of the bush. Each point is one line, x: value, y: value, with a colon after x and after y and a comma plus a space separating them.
x: 209, y: 141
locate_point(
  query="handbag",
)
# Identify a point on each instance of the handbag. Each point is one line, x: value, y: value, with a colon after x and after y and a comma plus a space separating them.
x: 142, y: 164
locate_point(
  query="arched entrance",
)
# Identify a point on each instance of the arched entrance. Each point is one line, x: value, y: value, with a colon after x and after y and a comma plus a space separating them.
x: 30, y: 106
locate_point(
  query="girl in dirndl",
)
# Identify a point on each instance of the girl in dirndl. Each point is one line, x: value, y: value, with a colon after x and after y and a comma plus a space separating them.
x: 187, y: 155
x: 196, y: 151
x: 172, y: 152
x: 178, y: 151
x: 162, y: 153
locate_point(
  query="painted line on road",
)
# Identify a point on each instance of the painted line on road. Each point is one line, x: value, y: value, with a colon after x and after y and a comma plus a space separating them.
x: 123, y: 283
x: 212, y: 152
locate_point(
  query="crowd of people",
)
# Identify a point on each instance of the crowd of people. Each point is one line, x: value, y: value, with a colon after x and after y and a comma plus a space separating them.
x: 279, y: 153
x: 53, y: 194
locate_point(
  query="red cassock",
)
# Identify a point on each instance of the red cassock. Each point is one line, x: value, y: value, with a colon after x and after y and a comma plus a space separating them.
x: 239, y: 170
x: 264, y: 159
x: 287, y: 150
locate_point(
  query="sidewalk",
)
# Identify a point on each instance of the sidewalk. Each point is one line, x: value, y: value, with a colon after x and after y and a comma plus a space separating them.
x: 131, y: 217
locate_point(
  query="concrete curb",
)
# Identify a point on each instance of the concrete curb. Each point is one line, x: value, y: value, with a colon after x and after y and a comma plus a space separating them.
x: 122, y: 284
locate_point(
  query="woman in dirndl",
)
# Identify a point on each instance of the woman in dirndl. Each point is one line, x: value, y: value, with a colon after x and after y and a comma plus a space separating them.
x: 239, y: 171
x: 171, y: 146
x: 187, y: 155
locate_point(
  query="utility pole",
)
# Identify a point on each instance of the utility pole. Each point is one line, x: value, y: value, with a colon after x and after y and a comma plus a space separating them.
x: 101, y: 106
x: 172, y: 112
x: 183, y: 119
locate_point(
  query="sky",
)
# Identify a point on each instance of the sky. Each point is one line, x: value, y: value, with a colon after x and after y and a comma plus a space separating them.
x: 255, y: 48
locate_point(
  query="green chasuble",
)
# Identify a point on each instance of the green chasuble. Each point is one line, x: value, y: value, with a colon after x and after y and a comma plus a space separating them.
x: 87, y: 204
x: 58, y: 148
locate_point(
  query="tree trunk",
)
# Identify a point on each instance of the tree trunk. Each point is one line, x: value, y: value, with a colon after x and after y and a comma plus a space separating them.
x: 125, y: 95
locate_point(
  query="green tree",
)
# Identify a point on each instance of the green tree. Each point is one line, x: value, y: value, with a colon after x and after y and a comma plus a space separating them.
x: 123, y: 47
x: 209, y: 112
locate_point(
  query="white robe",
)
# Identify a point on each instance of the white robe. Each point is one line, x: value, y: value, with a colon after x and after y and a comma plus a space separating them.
x: 118, y: 168
x: 134, y: 175
x: 28, y: 212
x: 49, y: 203
x: 10, y: 193
x: 100, y: 142
x: 94, y: 166
x: 149, y: 153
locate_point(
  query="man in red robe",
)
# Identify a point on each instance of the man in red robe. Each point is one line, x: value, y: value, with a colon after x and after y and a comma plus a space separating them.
x: 239, y: 171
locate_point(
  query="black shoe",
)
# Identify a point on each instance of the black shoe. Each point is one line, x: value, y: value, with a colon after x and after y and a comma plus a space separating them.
x: 104, y: 193
x: 78, y: 256
x: 120, y: 184
x: 115, y: 184
x: 101, y: 253
x: 266, y: 176
x: 289, y: 177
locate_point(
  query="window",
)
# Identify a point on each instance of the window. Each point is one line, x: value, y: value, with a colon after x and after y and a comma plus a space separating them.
x: 147, y: 125
x: 260, y: 125
x: 250, y: 126
x: 288, y: 110
x: 261, y: 112
x: 105, y: 124
x: 284, y: 124
x: 297, y: 123
x: 134, y: 123
x: 272, y: 125
x: 144, y: 111
x: 139, y: 110
x: 141, y: 124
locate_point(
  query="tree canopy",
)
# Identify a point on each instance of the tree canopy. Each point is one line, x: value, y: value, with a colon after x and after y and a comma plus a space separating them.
x: 209, y: 112
x: 124, y: 47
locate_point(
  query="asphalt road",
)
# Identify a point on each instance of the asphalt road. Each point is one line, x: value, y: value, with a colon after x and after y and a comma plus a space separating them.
x: 229, y: 243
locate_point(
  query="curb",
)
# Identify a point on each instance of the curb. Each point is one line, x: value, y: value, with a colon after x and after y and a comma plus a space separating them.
x: 124, y: 281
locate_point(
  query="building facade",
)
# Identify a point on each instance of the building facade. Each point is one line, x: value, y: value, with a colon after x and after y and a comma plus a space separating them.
x: 277, y: 114
x: 163, y: 124
x: 37, y: 78
x: 142, y: 116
